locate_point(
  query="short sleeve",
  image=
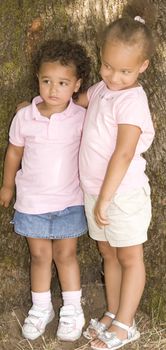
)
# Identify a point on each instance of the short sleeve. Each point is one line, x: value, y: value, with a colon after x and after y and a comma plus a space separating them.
x: 15, y: 136
x: 133, y: 110
x: 94, y: 89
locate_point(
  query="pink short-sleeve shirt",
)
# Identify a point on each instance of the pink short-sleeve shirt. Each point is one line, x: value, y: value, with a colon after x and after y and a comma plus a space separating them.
x: 106, y: 110
x: 48, y: 179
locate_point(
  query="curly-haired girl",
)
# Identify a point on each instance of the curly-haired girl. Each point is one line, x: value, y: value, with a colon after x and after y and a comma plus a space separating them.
x: 45, y: 138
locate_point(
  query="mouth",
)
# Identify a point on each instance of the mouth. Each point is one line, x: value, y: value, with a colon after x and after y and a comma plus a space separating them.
x: 53, y: 98
x: 113, y: 86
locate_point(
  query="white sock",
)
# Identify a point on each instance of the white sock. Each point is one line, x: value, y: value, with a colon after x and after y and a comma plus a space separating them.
x: 42, y: 299
x: 72, y: 298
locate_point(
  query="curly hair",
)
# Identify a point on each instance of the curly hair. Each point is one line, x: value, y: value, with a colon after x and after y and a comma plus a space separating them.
x: 66, y: 52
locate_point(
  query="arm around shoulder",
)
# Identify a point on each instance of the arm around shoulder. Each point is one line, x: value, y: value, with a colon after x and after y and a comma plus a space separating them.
x: 82, y: 100
x: 22, y: 105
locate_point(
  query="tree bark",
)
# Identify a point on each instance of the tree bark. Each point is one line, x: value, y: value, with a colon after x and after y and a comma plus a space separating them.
x: 24, y: 25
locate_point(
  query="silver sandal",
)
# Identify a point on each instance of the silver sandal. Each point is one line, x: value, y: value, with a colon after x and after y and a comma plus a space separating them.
x: 112, y: 342
x: 97, y: 326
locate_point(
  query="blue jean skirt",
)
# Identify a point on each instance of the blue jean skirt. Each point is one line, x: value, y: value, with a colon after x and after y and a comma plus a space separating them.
x: 68, y: 223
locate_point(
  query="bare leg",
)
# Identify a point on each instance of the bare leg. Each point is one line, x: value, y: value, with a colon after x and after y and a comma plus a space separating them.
x: 41, y: 261
x: 112, y: 276
x: 41, y: 312
x: 65, y: 258
x: 133, y: 281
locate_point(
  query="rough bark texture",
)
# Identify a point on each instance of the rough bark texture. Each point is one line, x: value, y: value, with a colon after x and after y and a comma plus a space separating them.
x: 24, y: 25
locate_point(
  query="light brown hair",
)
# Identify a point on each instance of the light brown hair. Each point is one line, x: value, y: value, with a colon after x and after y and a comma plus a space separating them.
x: 130, y: 31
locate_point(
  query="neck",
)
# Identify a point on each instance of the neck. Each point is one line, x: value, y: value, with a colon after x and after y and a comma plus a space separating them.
x: 47, y: 110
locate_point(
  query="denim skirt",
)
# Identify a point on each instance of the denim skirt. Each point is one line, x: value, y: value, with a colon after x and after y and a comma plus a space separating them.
x: 68, y: 223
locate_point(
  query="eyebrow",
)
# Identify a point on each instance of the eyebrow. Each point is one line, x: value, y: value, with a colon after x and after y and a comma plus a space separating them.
x: 48, y: 77
x: 106, y: 63
x: 129, y: 68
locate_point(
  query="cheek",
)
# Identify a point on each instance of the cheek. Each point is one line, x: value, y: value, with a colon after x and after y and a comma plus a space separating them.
x: 42, y: 87
x: 103, y: 72
x: 102, y: 69
x: 129, y: 78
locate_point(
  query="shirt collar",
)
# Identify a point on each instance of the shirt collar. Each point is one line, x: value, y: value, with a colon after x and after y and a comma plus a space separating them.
x: 61, y: 115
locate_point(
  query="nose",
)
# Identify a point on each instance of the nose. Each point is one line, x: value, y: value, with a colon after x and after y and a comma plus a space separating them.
x: 114, y: 77
x: 54, y: 88
x: 109, y: 74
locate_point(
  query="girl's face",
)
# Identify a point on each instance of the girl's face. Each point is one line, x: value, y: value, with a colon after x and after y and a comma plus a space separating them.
x: 121, y: 65
x: 57, y: 83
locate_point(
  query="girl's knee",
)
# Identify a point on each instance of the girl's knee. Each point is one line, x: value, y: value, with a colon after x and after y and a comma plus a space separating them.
x: 130, y: 256
x: 40, y: 255
x: 40, y: 250
x: 107, y: 252
x: 64, y: 256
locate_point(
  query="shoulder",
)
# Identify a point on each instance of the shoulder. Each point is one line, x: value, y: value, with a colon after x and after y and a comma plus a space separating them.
x: 95, y: 89
x: 131, y: 107
x: 77, y: 110
x: 136, y: 93
x: 28, y: 112
x: 132, y: 99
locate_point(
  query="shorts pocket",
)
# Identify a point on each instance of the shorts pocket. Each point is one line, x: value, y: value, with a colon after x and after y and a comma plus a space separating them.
x: 133, y: 202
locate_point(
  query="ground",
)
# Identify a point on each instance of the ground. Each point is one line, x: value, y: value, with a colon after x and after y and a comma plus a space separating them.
x: 153, y: 336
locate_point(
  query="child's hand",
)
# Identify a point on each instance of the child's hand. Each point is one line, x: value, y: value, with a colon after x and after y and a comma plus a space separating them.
x: 100, y: 212
x: 22, y: 105
x: 6, y: 195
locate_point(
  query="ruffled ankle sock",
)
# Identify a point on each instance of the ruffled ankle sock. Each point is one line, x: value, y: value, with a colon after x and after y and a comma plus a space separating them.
x: 42, y: 300
x: 72, y: 298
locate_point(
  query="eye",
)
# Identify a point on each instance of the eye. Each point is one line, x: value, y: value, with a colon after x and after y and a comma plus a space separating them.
x: 126, y: 72
x: 63, y: 83
x: 106, y: 66
x: 46, y: 81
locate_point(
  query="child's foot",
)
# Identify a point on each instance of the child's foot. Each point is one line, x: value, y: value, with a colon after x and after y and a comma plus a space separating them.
x: 114, y: 339
x: 36, y: 322
x: 71, y: 323
x: 97, y: 327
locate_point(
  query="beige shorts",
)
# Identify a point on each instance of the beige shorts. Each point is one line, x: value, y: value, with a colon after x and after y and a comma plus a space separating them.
x: 129, y: 214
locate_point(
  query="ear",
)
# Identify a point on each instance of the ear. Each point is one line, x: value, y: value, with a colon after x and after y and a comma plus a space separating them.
x: 78, y: 84
x: 144, y: 66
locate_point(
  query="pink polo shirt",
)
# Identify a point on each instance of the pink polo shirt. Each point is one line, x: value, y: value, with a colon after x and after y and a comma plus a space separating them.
x: 48, y: 179
x: 106, y: 110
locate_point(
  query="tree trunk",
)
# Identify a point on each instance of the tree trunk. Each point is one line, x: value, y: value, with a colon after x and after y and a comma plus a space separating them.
x: 24, y: 25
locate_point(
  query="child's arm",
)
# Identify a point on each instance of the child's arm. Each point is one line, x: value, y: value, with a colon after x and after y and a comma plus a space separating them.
x: 11, y: 165
x: 82, y: 100
x: 22, y: 105
x: 127, y: 139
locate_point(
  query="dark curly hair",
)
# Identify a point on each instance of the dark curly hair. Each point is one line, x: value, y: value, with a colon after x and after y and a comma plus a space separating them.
x: 66, y: 52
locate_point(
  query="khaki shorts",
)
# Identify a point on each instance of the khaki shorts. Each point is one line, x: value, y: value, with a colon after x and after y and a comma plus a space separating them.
x: 129, y: 214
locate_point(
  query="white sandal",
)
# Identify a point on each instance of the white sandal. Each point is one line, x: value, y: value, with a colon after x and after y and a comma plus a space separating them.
x: 97, y: 326
x: 112, y: 342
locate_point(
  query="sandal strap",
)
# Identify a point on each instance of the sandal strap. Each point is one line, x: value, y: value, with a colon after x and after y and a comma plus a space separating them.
x: 98, y: 326
x: 110, y: 314
x: 120, y: 325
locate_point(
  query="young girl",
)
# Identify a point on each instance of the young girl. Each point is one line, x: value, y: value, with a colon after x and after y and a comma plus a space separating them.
x: 118, y: 129
x: 45, y: 138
